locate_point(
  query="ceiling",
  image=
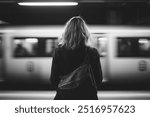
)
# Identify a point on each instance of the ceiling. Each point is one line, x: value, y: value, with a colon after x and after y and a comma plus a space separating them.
x: 93, y: 11
x: 85, y: 1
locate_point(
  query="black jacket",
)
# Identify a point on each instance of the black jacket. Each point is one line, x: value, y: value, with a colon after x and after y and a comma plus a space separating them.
x: 66, y: 60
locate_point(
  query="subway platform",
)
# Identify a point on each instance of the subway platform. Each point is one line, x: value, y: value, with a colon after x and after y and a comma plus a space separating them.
x: 108, y: 91
x: 49, y: 95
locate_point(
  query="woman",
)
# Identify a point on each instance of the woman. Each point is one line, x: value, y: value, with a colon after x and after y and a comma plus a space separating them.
x: 70, y: 55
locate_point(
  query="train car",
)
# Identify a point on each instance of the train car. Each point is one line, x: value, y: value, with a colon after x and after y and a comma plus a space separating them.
x: 125, y: 52
x: 26, y: 52
x: 129, y: 55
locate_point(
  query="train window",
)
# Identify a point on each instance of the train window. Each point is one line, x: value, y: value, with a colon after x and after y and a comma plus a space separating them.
x: 99, y: 41
x: 101, y: 45
x: 34, y: 46
x: 144, y: 47
x: 134, y: 47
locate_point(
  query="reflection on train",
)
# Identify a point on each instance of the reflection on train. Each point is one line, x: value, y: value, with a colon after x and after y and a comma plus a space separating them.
x: 26, y: 52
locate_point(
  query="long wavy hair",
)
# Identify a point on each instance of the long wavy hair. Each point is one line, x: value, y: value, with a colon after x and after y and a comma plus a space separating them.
x: 76, y: 33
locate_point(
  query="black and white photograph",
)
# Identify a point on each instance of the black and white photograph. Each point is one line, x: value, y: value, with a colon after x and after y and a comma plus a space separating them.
x: 74, y: 50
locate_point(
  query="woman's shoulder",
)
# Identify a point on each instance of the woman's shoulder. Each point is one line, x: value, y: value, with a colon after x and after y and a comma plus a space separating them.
x: 59, y: 49
x: 93, y: 51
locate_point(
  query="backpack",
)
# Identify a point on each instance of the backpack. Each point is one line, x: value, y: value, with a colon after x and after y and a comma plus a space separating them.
x: 79, y: 82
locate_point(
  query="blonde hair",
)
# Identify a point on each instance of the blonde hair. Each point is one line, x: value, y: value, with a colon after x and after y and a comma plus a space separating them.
x: 76, y: 33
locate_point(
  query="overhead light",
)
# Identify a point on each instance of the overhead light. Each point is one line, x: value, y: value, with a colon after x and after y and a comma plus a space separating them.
x: 48, y: 3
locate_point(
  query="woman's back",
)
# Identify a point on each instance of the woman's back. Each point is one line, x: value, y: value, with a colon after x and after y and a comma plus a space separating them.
x: 68, y: 60
x: 70, y: 55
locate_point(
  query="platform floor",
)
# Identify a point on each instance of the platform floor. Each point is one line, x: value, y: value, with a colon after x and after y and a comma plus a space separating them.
x: 49, y: 95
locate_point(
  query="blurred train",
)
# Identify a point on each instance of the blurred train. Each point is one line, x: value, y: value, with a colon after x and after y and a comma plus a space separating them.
x: 26, y: 52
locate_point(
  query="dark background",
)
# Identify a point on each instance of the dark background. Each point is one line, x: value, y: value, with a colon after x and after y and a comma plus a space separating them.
x: 106, y: 13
